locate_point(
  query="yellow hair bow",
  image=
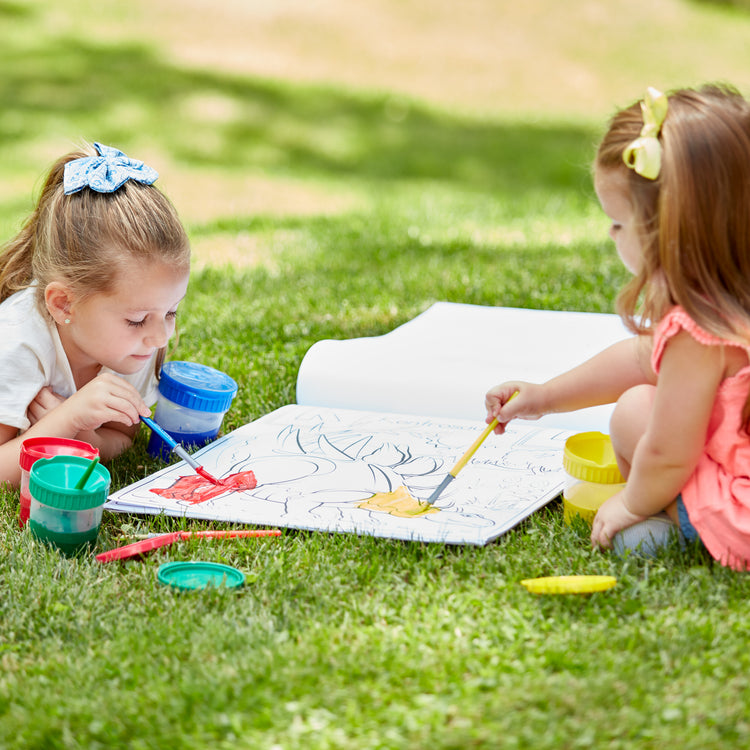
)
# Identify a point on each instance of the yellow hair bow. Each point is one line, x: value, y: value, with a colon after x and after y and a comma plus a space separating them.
x: 644, y: 153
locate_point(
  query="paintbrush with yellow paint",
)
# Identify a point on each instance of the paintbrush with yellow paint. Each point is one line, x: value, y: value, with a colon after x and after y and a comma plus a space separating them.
x: 453, y: 473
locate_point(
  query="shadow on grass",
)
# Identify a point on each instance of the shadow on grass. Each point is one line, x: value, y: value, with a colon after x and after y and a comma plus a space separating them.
x: 78, y: 88
x: 14, y: 10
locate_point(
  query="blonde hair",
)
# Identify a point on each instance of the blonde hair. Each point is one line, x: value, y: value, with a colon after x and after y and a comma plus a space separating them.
x: 694, y: 218
x: 83, y: 238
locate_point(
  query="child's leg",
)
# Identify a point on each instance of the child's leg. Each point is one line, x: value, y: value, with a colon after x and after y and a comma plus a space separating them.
x: 627, y: 427
x: 629, y: 422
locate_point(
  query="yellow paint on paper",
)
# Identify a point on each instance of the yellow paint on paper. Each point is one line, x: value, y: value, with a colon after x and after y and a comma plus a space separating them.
x: 398, y: 503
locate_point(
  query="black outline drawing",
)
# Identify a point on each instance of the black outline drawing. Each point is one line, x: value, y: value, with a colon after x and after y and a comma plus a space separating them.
x: 314, y: 465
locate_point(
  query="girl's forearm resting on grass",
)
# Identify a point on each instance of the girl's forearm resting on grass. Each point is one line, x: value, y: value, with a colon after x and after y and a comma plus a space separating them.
x: 101, y: 413
x: 105, y: 413
x: 110, y: 440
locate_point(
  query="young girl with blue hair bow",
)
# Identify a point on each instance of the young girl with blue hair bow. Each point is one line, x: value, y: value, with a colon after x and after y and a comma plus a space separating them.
x: 89, y: 290
x: 673, y: 174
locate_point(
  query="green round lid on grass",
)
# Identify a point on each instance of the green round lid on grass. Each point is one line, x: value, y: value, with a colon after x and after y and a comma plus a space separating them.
x: 191, y: 575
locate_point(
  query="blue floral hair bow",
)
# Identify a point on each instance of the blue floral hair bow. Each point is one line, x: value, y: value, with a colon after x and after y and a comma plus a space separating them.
x: 105, y: 173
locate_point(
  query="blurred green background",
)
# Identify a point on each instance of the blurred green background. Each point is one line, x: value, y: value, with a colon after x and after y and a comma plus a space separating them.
x: 253, y: 108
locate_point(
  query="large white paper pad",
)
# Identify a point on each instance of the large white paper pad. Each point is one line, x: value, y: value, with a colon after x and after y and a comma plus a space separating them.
x: 444, y: 361
x: 399, y: 410
x: 315, y: 465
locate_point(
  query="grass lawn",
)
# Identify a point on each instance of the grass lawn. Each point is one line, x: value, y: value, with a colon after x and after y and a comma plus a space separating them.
x: 323, y: 210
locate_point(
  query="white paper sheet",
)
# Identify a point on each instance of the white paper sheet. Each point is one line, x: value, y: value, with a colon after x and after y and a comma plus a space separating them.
x: 443, y: 362
x: 315, y: 465
x: 396, y: 410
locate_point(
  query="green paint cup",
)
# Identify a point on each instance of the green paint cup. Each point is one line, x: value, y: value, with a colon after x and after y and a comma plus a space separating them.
x: 60, y: 514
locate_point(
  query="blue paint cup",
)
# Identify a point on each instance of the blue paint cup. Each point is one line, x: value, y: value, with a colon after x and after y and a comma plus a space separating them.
x: 193, y: 400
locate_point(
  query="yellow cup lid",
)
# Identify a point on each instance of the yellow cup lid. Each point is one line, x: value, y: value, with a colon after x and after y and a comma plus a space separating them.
x: 569, y: 584
x: 591, y: 457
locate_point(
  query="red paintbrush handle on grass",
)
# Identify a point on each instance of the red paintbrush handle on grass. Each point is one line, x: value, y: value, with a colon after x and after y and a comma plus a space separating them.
x: 147, y: 545
x: 230, y: 534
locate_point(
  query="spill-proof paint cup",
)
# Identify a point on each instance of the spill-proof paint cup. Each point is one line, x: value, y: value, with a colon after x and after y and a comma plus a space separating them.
x: 193, y: 400
x: 589, y: 460
x: 35, y: 448
x: 61, y: 514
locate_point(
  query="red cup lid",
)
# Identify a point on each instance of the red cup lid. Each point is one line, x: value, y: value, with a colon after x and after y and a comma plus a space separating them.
x: 46, y: 447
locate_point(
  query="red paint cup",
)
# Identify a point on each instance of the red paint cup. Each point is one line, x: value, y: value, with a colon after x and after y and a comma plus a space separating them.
x: 46, y: 447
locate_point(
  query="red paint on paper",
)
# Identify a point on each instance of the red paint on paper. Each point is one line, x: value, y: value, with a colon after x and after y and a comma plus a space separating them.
x: 195, y: 489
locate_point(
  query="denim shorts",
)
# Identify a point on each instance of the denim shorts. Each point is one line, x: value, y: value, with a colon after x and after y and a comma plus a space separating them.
x: 686, y: 528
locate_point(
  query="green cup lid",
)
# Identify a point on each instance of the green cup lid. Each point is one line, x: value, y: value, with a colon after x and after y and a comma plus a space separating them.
x: 52, y: 482
x: 191, y: 575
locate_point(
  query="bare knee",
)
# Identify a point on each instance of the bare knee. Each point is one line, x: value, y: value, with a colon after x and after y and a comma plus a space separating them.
x: 628, y: 423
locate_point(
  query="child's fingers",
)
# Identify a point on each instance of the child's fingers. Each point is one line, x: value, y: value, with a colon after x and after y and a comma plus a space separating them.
x: 500, y: 413
x: 601, y: 533
x: 497, y: 397
x: 499, y: 427
x: 504, y: 411
x: 114, y: 399
x: 123, y: 411
x: 44, y: 401
x: 128, y: 404
x: 600, y: 541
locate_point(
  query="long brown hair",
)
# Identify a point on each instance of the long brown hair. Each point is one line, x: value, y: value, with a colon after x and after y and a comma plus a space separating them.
x: 694, y: 219
x: 82, y: 238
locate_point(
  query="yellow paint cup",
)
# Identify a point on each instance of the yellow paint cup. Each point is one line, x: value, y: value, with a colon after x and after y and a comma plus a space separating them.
x: 594, y: 477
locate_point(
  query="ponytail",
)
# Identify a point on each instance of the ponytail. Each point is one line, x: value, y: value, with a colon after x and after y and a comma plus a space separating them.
x: 81, y: 238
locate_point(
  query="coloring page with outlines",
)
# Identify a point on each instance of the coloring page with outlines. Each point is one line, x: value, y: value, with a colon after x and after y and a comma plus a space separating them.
x: 312, y: 467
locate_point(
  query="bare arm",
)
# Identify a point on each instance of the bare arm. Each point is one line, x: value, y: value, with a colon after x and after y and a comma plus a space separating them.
x: 10, y: 451
x: 110, y: 439
x: 669, y: 451
x: 599, y: 380
x: 105, y: 412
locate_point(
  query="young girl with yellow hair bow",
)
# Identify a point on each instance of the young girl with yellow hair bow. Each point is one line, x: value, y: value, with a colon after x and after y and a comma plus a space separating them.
x: 673, y: 174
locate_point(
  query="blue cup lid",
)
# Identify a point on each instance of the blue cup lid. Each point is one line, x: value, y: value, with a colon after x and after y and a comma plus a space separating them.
x: 197, y: 386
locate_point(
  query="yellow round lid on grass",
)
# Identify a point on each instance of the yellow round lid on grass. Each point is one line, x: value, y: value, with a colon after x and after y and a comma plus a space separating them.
x: 569, y: 584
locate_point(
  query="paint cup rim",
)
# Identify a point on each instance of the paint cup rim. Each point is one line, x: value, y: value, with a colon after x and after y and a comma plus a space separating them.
x: 32, y: 449
x: 45, y: 483
x: 589, y: 456
x: 196, y: 386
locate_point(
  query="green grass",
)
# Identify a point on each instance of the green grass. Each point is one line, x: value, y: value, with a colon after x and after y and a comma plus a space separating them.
x: 340, y: 641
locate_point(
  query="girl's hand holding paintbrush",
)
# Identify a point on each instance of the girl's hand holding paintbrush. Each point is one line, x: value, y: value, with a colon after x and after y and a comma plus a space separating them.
x: 473, y: 448
x: 104, y: 412
x: 107, y: 398
x: 514, y: 400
